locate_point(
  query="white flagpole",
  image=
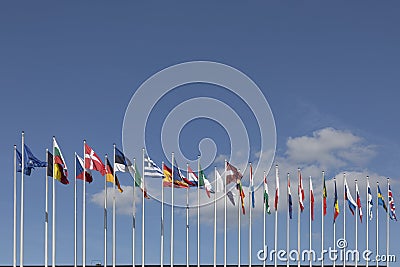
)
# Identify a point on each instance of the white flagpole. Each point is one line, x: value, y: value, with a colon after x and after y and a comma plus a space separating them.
x: 187, y: 219
x: 334, y: 225
x: 105, y: 217
x: 276, y: 219
x: 143, y: 221
x: 387, y: 225
x: 162, y: 222
x: 287, y: 220
x: 84, y: 208
x: 133, y: 214
x: 298, y: 221
x: 215, y: 217
x: 21, y: 244
x: 225, y: 185
x: 344, y: 218
x: 114, y: 236
x: 356, y: 241
x: 367, y: 220
x: 15, y: 209
x: 377, y: 223
x: 172, y: 213
x: 264, y: 211
x: 46, y: 214
x: 310, y: 186
x: 53, y: 249
x: 322, y: 218
x: 198, y: 212
x: 239, y: 204
x: 75, y: 227
x: 250, y: 218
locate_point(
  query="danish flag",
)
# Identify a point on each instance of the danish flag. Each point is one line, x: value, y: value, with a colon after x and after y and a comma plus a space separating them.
x: 93, y: 162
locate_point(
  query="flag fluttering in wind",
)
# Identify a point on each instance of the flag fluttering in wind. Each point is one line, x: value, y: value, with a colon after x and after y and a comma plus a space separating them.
x: 300, y: 192
x: 232, y: 174
x: 60, y: 170
x: 79, y: 171
x: 32, y: 160
x: 191, y: 178
x: 336, y: 205
x: 381, y: 200
x: 360, y: 213
x: 276, y: 188
x: 139, y: 181
x: 27, y: 170
x: 176, y: 179
x: 231, y: 196
x: 151, y: 169
x: 350, y: 200
x: 204, y: 183
x: 266, y: 196
x: 325, y: 196
x: 369, y: 202
x: 93, y: 161
x: 219, y: 183
x: 122, y: 163
x: 290, y: 203
x: 253, y: 201
x: 241, y: 193
x: 110, y: 176
x: 391, y: 204
x: 312, y: 200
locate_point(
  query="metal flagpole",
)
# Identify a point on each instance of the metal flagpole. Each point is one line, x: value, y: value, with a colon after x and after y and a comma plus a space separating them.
x: 239, y: 225
x: 215, y: 217
x: 225, y: 214
x: 143, y: 224
x: 264, y: 210
x: 198, y: 211
x: 356, y: 241
x: 75, y: 227
x: 377, y: 223
x: 172, y: 213
x: 46, y: 214
x: 162, y: 222
x: 298, y: 221
x: 105, y: 216
x: 287, y: 219
x: 276, y: 218
x: 15, y: 209
x: 387, y: 225
x: 334, y: 226
x: 21, y: 244
x: 344, y: 218
x: 53, y: 249
x: 311, y: 187
x: 187, y: 219
x: 367, y: 220
x: 133, y: 214
x: 84, y: 209
x: 250, y: 219
x: 114, y: 244
x: 322, y: 218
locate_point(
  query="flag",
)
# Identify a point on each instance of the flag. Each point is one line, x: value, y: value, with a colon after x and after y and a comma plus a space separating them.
x: 241, y: 194
x: 204, y: 183
x: 93, y: 161
x: 151, y: 170
x: 139, y: 181
x: 253, y: 202
x: 110, y: 176
x: 191, y: 178
x: 381, y: 200
x: 290, y: 203
x: 300, y: 192
x: 336, y: 205
x: 167, y: 181
x: 231, y: 197
x: 359, y: 203
x: 324, y: 195
x: 232, y: 174
x: 27, y: 170
x: 312, y: 200
x: 347, y: 196
x: 121, y: 163
x: 369, y: 202
x: 266, y: 196
x: 391, y: 204
x: 219, y: 184
x: 60, y: 168
x: 277, y: 188
x: 79, y: 170
x: 32, y: 160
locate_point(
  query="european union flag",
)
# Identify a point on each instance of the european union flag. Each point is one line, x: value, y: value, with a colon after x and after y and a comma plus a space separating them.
x: 32, y: 160
x: 27, y: 170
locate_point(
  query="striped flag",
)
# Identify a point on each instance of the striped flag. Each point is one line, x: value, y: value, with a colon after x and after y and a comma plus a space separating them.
x: 300, y: 192
x: 391, y: 204
x: 360, y: 213
x: 324, y: 195
x: 122, y: 163
x: 369, y: 202
x: 276, y: 188
x: 312, y: 200
x: 352, y: 204
x: 336, y: 205
x: 290, y: 203
x: 253, y: 202
x: 381, y: 200
x: 266, y: 196
x: 151, y: 170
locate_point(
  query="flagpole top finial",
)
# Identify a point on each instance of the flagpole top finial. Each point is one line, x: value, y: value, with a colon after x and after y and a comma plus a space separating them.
x: 355, y: 180
x: 23, y: 132
x: 15, y: 146
x: 114, y: 145
x: 377, y: 182
x: 367, y: 176
x: 54, y: 136
x: 84, y: 140
x: 388, y: 178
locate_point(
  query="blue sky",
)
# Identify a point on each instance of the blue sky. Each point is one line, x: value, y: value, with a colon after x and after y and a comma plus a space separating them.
x: 328, y: 70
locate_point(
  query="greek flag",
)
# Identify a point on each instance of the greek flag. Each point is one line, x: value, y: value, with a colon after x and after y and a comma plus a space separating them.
x: 151, y: 169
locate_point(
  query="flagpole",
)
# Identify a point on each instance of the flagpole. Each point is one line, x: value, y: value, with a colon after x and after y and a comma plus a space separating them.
x: 53, y: 249
x: 21, y: 244
x: 367, y: 221
x: 75, y: 227
x: 187, y: 219
x: 143, y: 225
x: 239, y: 225
x: 105, y: 216
x: 334, y: 224
x: 172, y: 213
x: 133, y: 214
x: 46, y: 214
x: 84, y: 208
x: 344, y: 218
x: 225, y: 215
x: 264, y: 211
x: 287, y: 219
x: 387, y: 225
x: 276, y: 219
x: 215, y: 218
x: 162, y: 222
x: 356, y: 241
x: 377, y: 223
x: 15, y: 209
x: 298, y: 221
x: 310, y: 221
x: 250, y: 218
x: 198, y: 211
x: 114, y: 244
x: 322, y: 218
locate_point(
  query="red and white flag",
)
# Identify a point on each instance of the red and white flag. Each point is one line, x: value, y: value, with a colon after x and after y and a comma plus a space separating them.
x: 93, y: 162
x: 312, y: 199
x: 277, y: 187
x: 360, y: 213
x: 300, y: 192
